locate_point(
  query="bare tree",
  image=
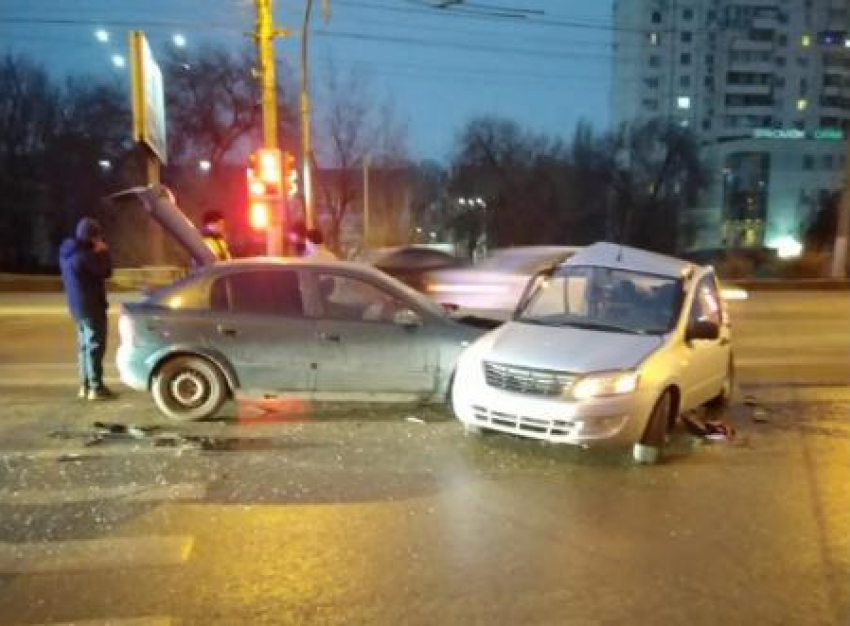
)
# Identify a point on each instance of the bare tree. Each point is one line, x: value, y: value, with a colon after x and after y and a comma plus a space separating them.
x: 212, y: 100
x: 353, y: 129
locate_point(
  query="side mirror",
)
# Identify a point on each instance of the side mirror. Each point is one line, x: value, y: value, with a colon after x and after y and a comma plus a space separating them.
x: 703, y: 329
x: 407, y: 318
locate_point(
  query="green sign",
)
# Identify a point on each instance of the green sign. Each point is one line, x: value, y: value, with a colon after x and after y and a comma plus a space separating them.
x: 821, y: 134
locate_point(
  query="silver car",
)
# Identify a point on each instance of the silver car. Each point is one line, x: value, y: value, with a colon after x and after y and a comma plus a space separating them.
x: 270, y: 328
x: 609, y: 347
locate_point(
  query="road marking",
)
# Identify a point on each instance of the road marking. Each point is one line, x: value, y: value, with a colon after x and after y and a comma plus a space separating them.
x: 133, y: 621
x: 93, y: 493
x: 50, y: 375
x: 785, y: 360
x: 772, y: 394
x: 95, y: 554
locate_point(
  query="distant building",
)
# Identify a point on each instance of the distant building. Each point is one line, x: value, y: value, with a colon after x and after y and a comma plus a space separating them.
x: 766, y: 87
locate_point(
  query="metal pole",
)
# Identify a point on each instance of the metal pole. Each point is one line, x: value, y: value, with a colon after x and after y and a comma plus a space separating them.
x: 265, y: 34
x: 366, y: 162
x: 306, y: 147
x: 842, y: 228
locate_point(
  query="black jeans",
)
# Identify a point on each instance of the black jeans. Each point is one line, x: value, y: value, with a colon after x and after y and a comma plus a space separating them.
x: 91, y: 340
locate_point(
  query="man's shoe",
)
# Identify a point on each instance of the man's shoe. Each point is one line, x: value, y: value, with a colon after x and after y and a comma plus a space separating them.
x: 83, y: 392
x: 101, y: 393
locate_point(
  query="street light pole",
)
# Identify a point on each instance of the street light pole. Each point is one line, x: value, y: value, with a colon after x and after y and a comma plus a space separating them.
x: 366, y: 163
x: 306, y: 147
x: 842, y: 228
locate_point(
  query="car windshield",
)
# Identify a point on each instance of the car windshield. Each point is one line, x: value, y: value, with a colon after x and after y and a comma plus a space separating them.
x: 602, y: 298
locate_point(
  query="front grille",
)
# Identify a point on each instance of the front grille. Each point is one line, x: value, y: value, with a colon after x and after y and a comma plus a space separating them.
x: 535, y: 382
x: 522, y: 424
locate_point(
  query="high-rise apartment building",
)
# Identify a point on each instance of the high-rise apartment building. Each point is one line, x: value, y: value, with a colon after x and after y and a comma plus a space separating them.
x: 765, y: 85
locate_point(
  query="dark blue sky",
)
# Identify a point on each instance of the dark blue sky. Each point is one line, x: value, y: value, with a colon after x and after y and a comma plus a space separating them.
x: 439, y: 67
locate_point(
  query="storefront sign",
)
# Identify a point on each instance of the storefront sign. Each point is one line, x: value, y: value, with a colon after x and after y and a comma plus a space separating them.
x: 821, y: 134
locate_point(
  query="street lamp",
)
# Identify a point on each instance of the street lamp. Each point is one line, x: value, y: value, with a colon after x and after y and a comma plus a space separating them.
x: 204, y: 165
x: 102, y: 35
x: 179, y: 40
x: 105, y: 164
x: 118, y: 61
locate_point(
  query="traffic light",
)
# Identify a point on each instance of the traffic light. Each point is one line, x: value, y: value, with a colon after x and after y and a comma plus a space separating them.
x: 290, y: 175
x: 264, y: 186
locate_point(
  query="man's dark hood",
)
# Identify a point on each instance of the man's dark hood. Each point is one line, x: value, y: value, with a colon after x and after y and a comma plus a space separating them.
x: 88, y: 229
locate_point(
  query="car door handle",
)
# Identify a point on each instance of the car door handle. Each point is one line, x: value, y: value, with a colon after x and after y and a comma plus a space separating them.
x: 226, y: 330
x: 329, y: 337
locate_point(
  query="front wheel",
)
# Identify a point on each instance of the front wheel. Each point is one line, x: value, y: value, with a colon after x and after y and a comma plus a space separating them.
x: 189, y: 388
x: 648, y: 450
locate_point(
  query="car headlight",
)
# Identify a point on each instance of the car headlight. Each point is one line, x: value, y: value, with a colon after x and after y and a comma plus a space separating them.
x: 604, y: 384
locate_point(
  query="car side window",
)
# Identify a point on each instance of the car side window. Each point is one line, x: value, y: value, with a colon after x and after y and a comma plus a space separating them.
x: 347, y: 298
x: 707, y: 304
x: 262, y: 292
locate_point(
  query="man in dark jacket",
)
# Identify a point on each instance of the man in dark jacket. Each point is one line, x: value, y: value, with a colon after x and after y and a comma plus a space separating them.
x: 86, y: 264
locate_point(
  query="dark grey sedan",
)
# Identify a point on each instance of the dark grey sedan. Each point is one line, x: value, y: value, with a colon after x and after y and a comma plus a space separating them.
x: 270, y: 328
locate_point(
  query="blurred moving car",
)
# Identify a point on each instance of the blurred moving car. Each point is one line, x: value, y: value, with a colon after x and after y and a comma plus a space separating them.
x: 268, y: 328
x: 610, y: 346
x: 492, y: 287
x: 410, y: 264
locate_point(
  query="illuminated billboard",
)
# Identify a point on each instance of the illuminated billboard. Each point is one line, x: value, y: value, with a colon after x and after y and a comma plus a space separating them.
x: 148, y: 97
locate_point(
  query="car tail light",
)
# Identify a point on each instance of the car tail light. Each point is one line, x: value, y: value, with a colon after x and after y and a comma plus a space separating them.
x: 125, y: 329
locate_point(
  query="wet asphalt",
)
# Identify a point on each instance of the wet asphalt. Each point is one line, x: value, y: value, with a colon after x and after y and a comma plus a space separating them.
x: 297, y: 514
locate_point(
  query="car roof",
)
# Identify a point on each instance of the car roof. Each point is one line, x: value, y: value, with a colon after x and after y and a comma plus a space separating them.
x: 263, y: 262
x: 615, y: 255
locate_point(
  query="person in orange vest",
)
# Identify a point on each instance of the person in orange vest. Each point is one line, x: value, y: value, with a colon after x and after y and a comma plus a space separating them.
x: 213, y: 231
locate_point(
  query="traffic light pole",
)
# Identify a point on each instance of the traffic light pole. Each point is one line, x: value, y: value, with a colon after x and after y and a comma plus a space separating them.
x: 265, y: 34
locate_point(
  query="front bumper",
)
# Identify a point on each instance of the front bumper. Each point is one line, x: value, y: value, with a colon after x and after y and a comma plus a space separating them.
x: 613, y: 420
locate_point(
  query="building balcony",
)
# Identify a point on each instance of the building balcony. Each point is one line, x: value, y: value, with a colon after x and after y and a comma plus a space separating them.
x: 748, y: 90
x: 834, y: 111
x: 751, y: 110
x: 754, y: 67
x: 766, y: 23
x: 751, y: 45
x: 833, y: 90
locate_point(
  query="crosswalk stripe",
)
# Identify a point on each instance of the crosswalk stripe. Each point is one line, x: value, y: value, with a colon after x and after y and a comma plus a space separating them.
x: 93, y: 493
x: 95, y: 554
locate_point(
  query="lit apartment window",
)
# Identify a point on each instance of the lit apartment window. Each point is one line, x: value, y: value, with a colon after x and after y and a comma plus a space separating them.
x: 802, y: 104
x: 683, y: 102
x: 806, y: 41
x: 654, y: 39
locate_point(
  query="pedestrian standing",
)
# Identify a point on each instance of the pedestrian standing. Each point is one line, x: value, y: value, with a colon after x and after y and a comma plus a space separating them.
x: 85, y: 263
x: 214, y: 231
x: 315, y: 247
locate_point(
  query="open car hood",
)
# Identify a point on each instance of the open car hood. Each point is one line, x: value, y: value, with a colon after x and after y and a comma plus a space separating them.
x: 158, y: 201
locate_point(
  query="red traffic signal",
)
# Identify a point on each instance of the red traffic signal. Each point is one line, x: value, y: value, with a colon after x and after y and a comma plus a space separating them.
x: 264, y: 186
